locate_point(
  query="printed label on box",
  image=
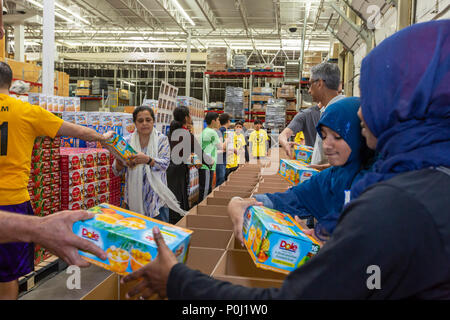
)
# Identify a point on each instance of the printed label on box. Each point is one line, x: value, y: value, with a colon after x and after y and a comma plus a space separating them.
x: 275, y: 241
x: 127, y: 238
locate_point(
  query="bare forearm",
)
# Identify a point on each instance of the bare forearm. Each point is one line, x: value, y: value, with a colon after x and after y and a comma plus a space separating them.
x: 16, y: 227
x: 284, y: 136
x: 77, y: 131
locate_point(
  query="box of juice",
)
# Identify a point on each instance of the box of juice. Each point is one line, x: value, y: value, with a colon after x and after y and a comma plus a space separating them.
x: 128, y: 126
x: 118, y: 146
x: 303, y: 153
x: 127, y: 238
x: 276, y: 241
x: 296, y: 171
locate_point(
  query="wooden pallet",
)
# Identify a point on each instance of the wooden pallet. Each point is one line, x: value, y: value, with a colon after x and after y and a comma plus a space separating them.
x: 45, y: 268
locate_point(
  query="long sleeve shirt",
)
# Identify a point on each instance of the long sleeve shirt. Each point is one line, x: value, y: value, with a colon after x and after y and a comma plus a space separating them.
x: 393, y: 242
x: 152, y: 202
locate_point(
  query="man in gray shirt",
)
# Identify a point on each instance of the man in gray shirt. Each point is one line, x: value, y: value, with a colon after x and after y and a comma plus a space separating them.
x: 324, y: 87
x: 306, y: 121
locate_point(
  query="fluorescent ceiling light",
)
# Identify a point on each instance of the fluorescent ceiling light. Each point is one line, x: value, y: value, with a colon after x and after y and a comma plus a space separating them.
x: 180, y: 8
x: 71, y: 12
x: 37, y: 4
x: 129, y: 83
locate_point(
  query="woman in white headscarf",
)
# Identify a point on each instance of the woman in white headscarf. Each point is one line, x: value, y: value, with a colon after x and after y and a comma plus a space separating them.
x: 146, y: 190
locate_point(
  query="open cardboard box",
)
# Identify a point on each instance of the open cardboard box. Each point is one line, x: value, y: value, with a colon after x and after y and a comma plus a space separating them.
x: 206, y: 222
x: 212, y: 210
x: 231, y: 194
x: 268, y: 190
x: 203, y: 259
x: 226, y: 188
x: 236, y: 266
x: 217, y: 201
x: 209, y: 238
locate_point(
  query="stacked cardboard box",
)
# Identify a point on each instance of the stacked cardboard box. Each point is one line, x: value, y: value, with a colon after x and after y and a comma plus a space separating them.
x: 83, y: 88
x: 44, y: 181
x: 99, y: 85
x: 216, y: 59
x: 234, y: 102
x: 276, y: 113
x: 240, y: 61
x: 286, y: 91
x: 85, y: 178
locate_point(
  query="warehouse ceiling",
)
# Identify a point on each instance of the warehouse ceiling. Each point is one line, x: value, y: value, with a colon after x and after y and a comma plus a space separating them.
x: 86, y: 28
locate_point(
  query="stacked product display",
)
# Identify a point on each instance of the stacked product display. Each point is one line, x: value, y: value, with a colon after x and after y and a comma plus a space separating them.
x: 234, y: 102
x: 55, y: 103
x: 216, y: 59
x: 86, y: 176
x: 167, y: 102
x: 240, y: 61
x: 44, y: 183
x: 276, y: 114
x: 196, y: 111
x: 102, y: 122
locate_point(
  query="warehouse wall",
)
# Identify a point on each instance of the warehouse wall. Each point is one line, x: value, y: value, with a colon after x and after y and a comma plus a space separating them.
x: 427, y: 10
x: 386, y: 27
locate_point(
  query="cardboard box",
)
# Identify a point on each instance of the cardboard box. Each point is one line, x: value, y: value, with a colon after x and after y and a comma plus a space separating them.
x: 203, y: 259
x: 218, y: 201
x: 84, y: 83
x: 206, y: 222
x: 209, y: 238
x: 237, y: 263
x: 212, y: 210
x: 275, y: 241
x: 296, y: 171
x: 269, y: 190
x: 127, y: 238
x: 303, y: 153
x: 229, y: 195
x: 226, y: 188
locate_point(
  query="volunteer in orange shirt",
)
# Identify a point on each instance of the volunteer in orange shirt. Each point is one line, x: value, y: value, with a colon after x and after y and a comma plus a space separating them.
x: 20, y: 124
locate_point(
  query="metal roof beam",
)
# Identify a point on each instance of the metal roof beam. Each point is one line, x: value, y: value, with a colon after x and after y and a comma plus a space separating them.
x: 174, y: 13
x: 207, y: 12
x: 142, y: 13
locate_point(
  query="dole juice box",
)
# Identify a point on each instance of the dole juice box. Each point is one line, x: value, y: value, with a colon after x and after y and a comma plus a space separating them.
x: 127, y: 238
x: 276, y: 241
x: 303, y: 153
x: 296, y: 171
x: 81, y: 118
x: 119, y: 147
x: 127, y: 124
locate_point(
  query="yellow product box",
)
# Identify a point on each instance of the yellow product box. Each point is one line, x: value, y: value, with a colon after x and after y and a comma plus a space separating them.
x: 120, y: 148
x: 296, y: 171
x: 276, y: 241
x: 127, y: 238
x: 303, y: 153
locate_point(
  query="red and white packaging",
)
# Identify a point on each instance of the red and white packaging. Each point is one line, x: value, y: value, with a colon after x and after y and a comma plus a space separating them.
x: 89, y: 159
x: 103, y: 157
x: 90, y: 190
x: 103, y: 198
x: 103, y: 173
x: 89, y: 203
x: 75, y: 206
x: 103, y: 186
x: 90, y: 175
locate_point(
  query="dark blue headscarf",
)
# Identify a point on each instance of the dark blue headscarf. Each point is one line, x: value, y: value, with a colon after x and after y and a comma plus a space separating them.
x: 323, y: 195
x: 405, y: 101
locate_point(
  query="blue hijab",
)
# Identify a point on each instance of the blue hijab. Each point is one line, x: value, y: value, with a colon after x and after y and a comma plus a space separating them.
x: 323, y: 195
x: 405, y: 101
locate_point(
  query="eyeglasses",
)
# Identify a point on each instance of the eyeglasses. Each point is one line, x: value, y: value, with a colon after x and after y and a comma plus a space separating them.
x: 311, y: 83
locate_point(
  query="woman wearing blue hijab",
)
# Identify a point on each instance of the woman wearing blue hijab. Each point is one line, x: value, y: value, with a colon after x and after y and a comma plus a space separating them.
x: 323, y: 195
x: 393, y: 240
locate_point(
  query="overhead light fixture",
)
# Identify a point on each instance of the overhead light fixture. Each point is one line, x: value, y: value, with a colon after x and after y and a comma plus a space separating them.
x: 37, y: 4
x: 180, y: 8
x: 71, y: 12
x: 129, y: 83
